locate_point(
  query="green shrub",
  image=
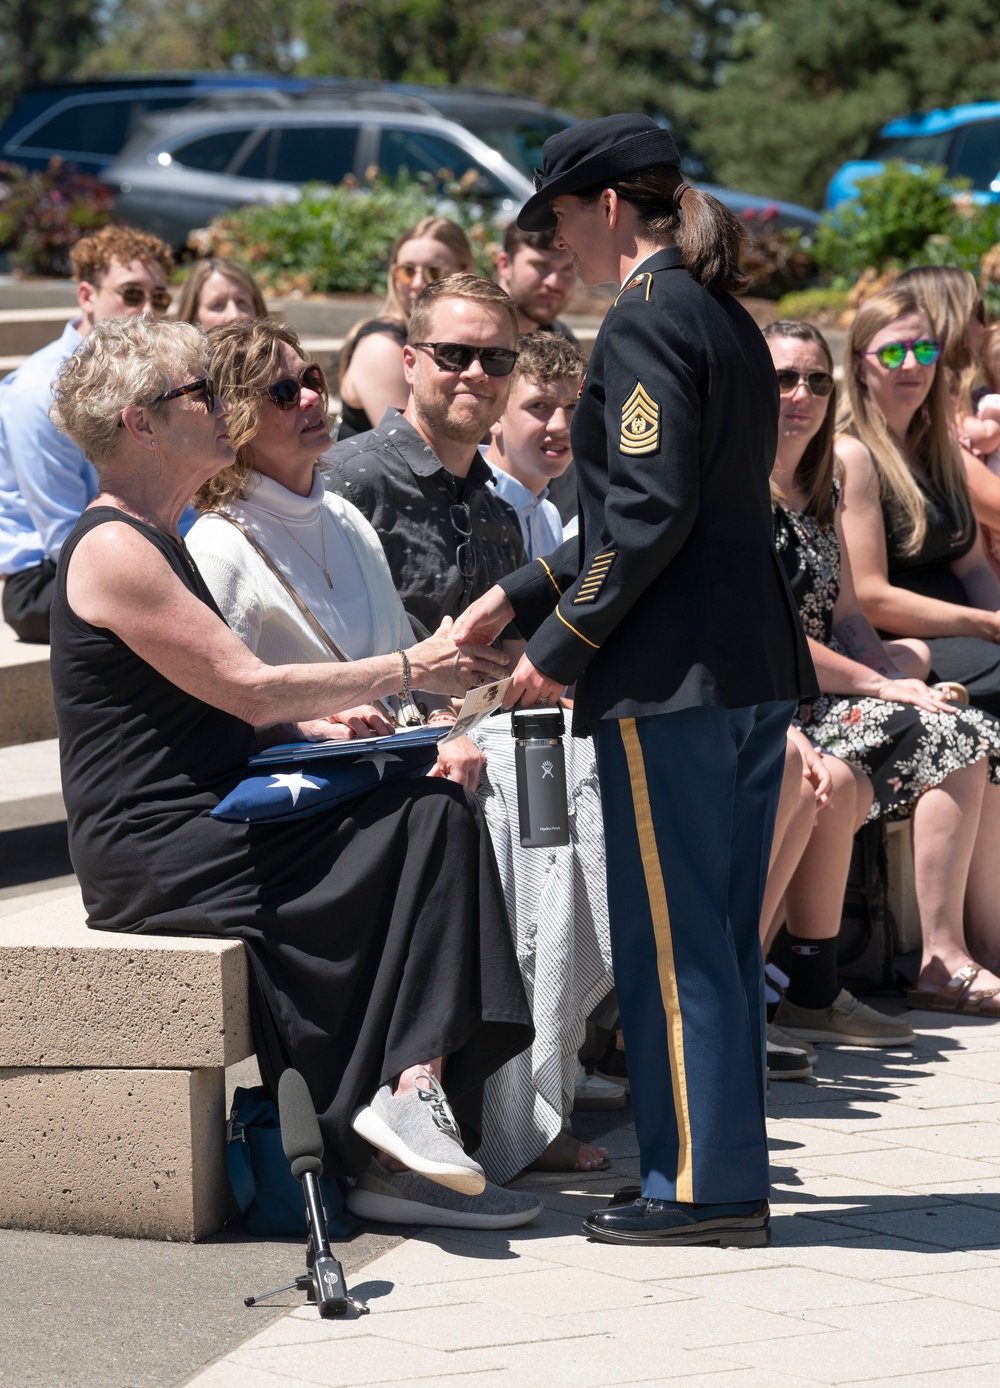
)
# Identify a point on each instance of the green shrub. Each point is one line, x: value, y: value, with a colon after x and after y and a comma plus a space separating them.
x: 891, y: 220
x: 44, y: 212
x: 777, y: 261
x: 338, y: 239
x: 822, y: 304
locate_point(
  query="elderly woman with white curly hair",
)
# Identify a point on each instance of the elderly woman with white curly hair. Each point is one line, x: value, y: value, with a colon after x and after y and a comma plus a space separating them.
x: 380, y: 953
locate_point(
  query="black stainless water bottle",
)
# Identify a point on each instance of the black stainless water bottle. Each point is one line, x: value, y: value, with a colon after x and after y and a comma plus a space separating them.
x: 540, y: 764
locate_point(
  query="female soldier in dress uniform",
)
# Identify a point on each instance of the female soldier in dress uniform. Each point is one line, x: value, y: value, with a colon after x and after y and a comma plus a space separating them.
x: 675, y: 619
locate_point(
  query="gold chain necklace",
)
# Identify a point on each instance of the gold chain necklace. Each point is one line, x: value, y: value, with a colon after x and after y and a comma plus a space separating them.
x: 322, y: 538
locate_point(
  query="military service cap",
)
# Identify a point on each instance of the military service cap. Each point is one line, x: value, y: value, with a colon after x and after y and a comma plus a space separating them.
x: 596, y: 151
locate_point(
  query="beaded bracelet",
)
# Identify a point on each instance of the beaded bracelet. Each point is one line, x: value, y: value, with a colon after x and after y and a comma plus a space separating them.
x: 404, y: 693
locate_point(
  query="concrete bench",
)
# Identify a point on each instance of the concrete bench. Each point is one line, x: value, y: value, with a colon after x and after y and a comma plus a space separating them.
x: 112, y: 1076
x: 25, y: 691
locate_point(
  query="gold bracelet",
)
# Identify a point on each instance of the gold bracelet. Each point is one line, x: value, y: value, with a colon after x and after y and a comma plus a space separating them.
x: 404, y: 693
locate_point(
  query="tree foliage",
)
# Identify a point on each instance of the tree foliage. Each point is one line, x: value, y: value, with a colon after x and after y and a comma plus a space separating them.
x: 807, y: 84
x: 41, y: 40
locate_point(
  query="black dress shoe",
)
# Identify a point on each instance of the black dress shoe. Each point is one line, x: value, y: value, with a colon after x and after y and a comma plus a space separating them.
x: 740, y: 1224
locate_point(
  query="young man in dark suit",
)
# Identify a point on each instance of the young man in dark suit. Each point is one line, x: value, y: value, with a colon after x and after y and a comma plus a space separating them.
x: 674, y: 617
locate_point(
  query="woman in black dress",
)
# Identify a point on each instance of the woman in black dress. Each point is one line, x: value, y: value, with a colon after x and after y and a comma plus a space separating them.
x: 380, y: 953
x: 910, y: 751
x: 919, y: 568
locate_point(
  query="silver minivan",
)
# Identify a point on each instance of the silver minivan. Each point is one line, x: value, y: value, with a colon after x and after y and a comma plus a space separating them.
x: 181, y: 170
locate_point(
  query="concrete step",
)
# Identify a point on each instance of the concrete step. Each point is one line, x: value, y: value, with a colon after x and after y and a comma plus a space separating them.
x: 25, y: 691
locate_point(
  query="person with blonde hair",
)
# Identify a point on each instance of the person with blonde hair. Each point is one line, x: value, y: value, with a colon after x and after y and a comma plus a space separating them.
x: 393, y: 990
x: 219, y: 291
x: 908, y: 520
x: 894, y: 747
x: 371, y: 362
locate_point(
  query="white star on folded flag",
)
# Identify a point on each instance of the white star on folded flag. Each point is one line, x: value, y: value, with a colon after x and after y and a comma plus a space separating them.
x: 379, y: 759
x: 294, y: 782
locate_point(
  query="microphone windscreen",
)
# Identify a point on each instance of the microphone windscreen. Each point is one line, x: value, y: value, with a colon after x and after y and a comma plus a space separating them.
x: 300, y: 1134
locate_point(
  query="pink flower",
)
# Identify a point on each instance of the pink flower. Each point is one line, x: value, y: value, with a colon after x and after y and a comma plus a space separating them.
x: 852, y: 716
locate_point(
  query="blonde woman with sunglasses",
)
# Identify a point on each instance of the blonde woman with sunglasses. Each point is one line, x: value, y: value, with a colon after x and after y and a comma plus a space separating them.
x: 371, y: 363
x: 909, y: 526
x: 894, y: 748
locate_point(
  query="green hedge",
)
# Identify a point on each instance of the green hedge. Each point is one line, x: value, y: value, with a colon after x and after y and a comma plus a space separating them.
x: 338, y: 239
x: 905, y: 217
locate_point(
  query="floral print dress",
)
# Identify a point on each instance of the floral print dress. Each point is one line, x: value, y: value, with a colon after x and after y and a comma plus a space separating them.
x: 903, y: 750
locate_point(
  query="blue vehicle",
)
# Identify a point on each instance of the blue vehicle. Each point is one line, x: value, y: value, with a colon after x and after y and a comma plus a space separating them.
x: 965, y: 140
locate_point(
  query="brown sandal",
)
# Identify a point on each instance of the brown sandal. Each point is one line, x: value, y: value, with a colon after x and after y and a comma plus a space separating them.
x: 956, y: 995
x: 562, y: 1154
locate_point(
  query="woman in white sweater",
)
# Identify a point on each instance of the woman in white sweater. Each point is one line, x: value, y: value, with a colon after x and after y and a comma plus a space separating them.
x: 300, y: 576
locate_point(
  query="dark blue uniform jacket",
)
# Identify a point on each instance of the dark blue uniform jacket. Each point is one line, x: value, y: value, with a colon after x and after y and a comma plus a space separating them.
x: 672, y: 597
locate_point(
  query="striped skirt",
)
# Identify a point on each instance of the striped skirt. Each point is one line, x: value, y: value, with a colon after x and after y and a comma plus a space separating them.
x: 557, y: 901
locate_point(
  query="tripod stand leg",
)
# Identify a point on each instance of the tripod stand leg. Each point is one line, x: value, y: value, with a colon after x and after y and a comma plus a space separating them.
x: 252, y: 1300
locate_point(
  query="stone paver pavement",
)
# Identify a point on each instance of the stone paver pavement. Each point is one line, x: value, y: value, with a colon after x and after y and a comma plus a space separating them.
x: 885, y: 1263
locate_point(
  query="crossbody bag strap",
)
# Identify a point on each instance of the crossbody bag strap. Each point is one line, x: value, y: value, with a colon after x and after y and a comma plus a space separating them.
x: 316, y: 626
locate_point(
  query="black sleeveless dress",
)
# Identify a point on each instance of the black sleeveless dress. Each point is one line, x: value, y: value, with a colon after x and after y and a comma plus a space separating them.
x: 376, y: 931
x: 970, y: 660
x: 354, y: 418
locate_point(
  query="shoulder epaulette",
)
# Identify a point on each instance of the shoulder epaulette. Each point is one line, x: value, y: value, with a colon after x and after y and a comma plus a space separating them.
x: 646, y: 277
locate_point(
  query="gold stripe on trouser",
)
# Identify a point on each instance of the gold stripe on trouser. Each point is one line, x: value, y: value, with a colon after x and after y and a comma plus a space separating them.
x: 660, y: 914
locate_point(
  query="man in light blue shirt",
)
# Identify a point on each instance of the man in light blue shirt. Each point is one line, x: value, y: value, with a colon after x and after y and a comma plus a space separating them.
x: 45, y: 480
x: 530, y: 444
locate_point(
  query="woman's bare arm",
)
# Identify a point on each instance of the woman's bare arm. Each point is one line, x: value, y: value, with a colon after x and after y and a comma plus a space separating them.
x: 118, y: 581
x: 886, y: 606
x: 850, y: 625
x: 374, y: 380
x: 978, y: 579
x: 984, y: 488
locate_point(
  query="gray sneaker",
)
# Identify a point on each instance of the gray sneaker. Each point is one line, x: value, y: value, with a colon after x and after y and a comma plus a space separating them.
x: 777, y: 1037
x: 404, y: 1197
x: 419, y: 1129
x: 846, y: 1022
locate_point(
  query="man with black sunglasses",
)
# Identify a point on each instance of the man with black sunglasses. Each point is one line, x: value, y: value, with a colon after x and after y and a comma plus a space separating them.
x: 45, y: 480
x: 419, y: 476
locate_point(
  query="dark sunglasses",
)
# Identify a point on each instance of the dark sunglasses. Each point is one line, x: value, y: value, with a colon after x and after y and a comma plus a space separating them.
x: 893, y: 354
x: 132, y: 295
x: 457, y: 356
x: 204, y: 386
x: 406, y: 274
x: 816, y: 382
x: 287, y: 392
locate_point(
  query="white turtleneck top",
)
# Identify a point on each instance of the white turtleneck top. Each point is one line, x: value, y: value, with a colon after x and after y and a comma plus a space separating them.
x: 361, y: 611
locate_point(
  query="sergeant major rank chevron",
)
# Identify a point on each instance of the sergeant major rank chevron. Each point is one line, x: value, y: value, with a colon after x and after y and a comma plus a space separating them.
x: 640, y: 423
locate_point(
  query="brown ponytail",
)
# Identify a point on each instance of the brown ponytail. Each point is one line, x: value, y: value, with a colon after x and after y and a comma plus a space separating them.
x: 710, y: 237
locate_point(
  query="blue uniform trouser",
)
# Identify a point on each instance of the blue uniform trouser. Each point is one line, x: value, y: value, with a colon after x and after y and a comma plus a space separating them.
x: 689, y: 802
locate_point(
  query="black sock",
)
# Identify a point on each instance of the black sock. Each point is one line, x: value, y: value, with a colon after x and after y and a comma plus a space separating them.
x: 812, y: 972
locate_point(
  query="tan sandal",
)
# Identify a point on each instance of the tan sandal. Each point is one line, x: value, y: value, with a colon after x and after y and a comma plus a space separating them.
x: 562, y: 1154
x: 956, y: 995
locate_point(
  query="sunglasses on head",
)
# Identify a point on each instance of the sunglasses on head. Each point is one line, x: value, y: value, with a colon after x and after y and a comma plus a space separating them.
x: 816, y: 382
x: 458, y: 356
x: 287, y: 392
x: 132, y: 295
x: 406, y: 274
x: 893, y: 354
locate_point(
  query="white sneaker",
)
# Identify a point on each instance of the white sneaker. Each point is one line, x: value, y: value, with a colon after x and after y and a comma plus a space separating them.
x: 592, y: 1094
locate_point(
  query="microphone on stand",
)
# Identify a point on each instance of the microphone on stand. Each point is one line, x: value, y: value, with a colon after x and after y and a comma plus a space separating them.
x: 302, y: 1141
